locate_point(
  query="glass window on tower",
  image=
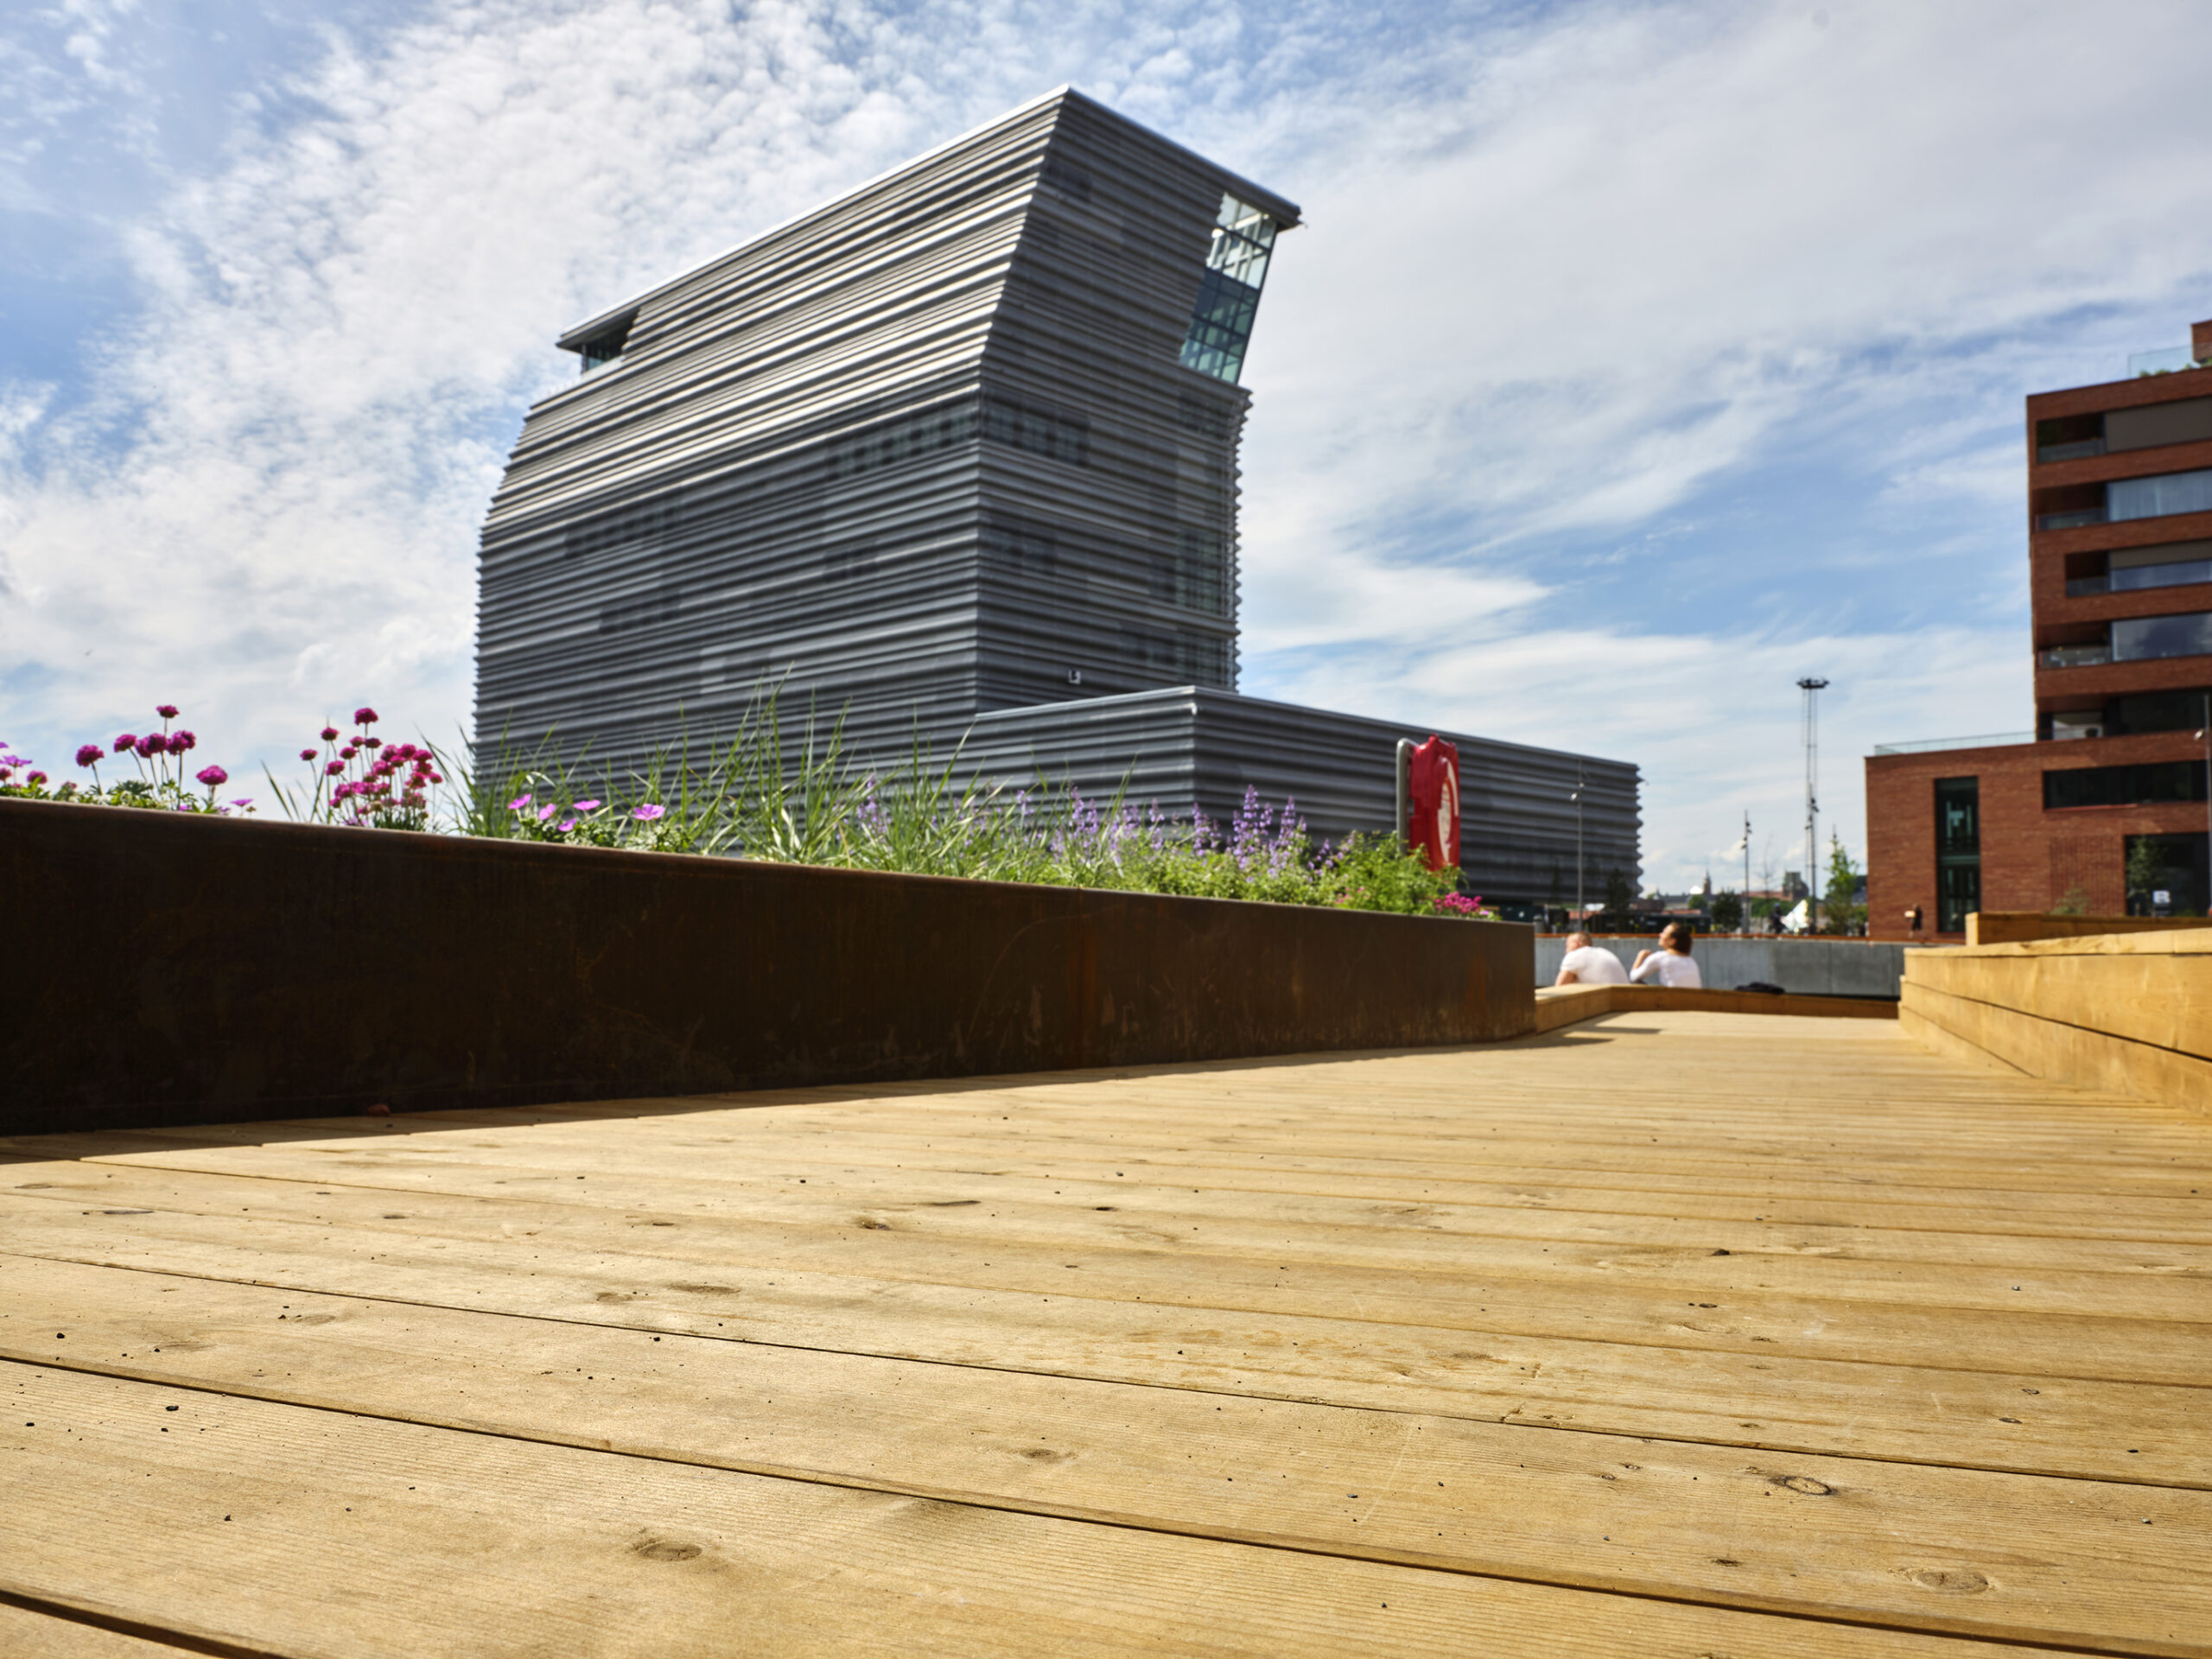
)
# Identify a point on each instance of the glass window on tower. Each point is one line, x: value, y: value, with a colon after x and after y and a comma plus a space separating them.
x: 1228, y: 296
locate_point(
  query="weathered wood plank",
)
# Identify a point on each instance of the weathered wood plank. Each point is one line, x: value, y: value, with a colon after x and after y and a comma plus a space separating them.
x: 430, y: 1542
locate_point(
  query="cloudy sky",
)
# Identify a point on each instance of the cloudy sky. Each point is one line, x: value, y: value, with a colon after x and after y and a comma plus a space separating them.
x: 1633, y: 362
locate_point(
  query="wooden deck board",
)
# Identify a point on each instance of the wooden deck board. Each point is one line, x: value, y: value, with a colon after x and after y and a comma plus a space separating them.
x: 1667, y: 1332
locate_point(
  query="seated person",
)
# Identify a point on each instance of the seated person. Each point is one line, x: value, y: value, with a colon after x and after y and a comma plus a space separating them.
x: 1670, y: 964
x: 1585, y: 963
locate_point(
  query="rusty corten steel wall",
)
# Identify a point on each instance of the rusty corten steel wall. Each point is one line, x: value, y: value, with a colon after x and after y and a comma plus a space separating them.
x: 170, y: 969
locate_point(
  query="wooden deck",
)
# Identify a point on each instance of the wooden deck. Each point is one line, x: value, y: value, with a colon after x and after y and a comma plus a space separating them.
x: 1673, y: 1334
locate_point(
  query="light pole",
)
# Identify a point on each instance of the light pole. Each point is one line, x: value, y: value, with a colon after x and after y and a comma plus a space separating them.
x: 1812, y: 688
x: 1743, y: 914
x: 1577, y: 799
x: 2206, y: 734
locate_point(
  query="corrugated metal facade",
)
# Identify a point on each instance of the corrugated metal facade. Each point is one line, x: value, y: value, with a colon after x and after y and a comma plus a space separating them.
x: 924, y: 455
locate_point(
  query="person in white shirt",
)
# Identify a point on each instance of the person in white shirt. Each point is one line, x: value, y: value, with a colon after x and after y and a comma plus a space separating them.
x: 1670, y: 963
x: 1585, y: 963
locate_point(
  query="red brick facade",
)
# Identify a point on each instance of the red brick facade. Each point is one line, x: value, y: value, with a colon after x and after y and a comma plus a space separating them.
x: 2032, y: 858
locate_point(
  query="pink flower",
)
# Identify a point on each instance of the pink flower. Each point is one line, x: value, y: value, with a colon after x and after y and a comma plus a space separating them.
x: 152, y: 744
x: 166, y: 711
x: 333, y: 769
x: 306, y: 755
x: 35, y: 777
x: 587, y: 806
x: 180, y: 741
x: 347, y: 752
x: 648, y: 813
x: 567, y: 824
x: 365, y: 716
x: 546, y: 811
x: 91, y: 755
x: 214, y: 777
x: 330, y: 733
x: 436, y: 778
x: 518, y: 802
x: 372, y: 742
x: 125, y: 743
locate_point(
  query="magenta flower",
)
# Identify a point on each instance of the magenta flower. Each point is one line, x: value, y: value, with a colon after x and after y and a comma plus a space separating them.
x: 333, y: 769
x: 518, y: 802
x: 91, y: 755
x: 166, y: 711
x: 214, y: 777
x: 151, y: 745
x: 125, y: 743
x: 180, y: 741
x: 35, y: 777
x: 436, y: 778
x: 347, y: 752
x: 330, y: 733
x: 587, y: 806
x: 648, y: 813
x: 372, y: 742
x: 306, y: 755
x: 546, y: 811
x: 567, y: 824
x: 365, y: 716
x: 243, y: 801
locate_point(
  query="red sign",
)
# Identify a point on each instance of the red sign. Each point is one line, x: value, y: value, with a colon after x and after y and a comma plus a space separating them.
x: 1432, y: 814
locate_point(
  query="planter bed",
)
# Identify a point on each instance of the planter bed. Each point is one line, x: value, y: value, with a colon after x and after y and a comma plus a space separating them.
x: 169, y: 969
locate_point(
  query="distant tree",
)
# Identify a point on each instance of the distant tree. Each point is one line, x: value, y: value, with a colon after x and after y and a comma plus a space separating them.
x: 2075, y: 902
x: 2145, y: 866
x: 1727, y: 911
x: 1620, y: 903
x: 1840, y: 911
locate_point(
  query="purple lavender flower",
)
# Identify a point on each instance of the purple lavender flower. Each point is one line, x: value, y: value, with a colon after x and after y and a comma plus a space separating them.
x: 214, y: 777
x: 91, y: 755
x: 365, y: 716
x: 35, y: 777
x: 648, y: 812
x: 243, y: 802
x: 166, y: 711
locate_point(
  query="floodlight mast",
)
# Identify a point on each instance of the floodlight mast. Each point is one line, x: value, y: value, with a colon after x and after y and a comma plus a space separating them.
x: 1579, y: 785
x: 1812, y: 687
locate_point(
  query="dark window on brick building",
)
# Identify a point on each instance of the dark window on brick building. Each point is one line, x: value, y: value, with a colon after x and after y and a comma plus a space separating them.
x: 2148, y: 785
x: 1958, y: 852
x: 2175, y: 866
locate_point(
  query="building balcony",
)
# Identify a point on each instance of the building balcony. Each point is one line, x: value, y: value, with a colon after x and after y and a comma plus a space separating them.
x: 2074, y: 656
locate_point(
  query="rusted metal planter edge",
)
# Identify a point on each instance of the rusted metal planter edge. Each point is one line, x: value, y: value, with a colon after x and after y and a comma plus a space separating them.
x: 167, y: 969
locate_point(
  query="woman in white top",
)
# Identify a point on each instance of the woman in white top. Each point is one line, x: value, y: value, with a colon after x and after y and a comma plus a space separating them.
x: 1670, y: 964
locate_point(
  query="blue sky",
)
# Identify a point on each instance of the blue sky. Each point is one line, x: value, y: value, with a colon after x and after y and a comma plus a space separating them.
x: 1632, y: 362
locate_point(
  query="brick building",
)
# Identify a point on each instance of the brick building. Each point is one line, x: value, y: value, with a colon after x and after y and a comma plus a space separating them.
x: 2104, y: 804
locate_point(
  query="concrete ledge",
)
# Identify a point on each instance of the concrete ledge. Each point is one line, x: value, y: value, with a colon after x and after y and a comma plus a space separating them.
x: 1562, y: 1005
x: 2130, y: 1013
x: 170, y: 969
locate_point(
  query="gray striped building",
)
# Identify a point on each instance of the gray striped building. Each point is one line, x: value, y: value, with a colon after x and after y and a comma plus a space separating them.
x: 955, y: 455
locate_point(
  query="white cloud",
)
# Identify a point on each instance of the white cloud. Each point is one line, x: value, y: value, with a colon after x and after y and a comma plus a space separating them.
x: 1570, y: 285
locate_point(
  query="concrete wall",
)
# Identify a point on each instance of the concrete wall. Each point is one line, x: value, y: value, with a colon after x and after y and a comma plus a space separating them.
x: 171, y: 969
x: 1804, y: 967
